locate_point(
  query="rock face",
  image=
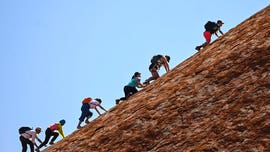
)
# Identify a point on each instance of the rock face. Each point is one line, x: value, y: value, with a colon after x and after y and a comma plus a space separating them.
x: 217, y: 100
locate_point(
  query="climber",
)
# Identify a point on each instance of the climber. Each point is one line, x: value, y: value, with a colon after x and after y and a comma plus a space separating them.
x: 210, y: 28
x: 156, y: 62
x: 26, y: 135
x: 50, y: 132
x: 130, y: 88
x: 89, y: 103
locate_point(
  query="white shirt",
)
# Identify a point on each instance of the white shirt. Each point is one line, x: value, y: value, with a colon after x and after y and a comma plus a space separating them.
x: 93, y: 104
x: 30, y: 134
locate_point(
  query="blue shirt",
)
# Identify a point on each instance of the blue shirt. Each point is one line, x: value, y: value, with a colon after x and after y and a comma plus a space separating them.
x: 133, y: 82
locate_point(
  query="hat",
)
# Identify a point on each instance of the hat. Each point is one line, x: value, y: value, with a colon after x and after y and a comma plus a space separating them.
x: 219, y: 21
x: 99, y: 100
x: 62, y: 122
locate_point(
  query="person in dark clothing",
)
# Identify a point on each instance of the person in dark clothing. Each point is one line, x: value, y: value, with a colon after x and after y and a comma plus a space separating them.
x: 50, y: 132
x: 155, y: 66
x: 130, y: 88
x: 208, y: 34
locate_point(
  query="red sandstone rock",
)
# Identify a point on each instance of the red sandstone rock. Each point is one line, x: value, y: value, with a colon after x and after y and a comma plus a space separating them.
x: 217, y: 100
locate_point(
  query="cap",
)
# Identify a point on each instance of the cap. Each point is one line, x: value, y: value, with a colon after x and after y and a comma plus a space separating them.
x: 99, y: 100
x: 167, y: 58
x: 62, y: 122
x: 219, y: 21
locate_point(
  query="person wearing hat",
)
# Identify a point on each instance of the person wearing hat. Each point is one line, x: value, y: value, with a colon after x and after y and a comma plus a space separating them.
x: 130, y: 88
x: 155, y: 66
x: 210, y: 28
x: 89, y: 103
x: 50, y: 131
x: 24, y: 138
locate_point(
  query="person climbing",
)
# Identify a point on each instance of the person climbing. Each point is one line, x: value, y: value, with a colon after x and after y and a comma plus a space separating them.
x: 26, y: 135
x: 210, y: 28
x: 130, y: 88
x: 50, y: 131
x: 156, y: 62
x: 89, y: 103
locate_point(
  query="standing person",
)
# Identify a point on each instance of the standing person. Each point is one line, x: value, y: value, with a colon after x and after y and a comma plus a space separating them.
x: 156, y: 63
x: 24, y: 138
x: 89, y: 103
x: 210, y: 28
x: 50, y: 131
x: 130, y: 88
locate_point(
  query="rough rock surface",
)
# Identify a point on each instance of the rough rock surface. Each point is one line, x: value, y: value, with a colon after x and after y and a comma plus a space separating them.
x: 217, y: 100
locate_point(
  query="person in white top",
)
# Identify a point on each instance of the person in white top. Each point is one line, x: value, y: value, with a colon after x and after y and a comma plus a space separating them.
x: 24, y: 138
x: 89, y: 103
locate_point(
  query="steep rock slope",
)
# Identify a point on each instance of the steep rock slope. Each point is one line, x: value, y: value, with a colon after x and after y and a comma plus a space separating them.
x: 217, y: 100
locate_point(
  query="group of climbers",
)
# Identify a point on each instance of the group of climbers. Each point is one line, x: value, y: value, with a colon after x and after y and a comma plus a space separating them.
x: 157, y: 62
x: 26, y: 133
x: 130, y: 89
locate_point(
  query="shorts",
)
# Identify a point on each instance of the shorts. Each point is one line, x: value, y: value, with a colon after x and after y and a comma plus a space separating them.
x: 207, y: 35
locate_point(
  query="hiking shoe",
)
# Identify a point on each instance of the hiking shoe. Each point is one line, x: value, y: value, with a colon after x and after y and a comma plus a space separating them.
x: 197, y: 48
x: 117, y: 101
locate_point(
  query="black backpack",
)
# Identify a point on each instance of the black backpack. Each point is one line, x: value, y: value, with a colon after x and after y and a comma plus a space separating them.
x: 155, y: 59
x: 24, y: 129
x: 212, y: 27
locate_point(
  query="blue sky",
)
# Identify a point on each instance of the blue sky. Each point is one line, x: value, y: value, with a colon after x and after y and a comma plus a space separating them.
x: 55, y: 53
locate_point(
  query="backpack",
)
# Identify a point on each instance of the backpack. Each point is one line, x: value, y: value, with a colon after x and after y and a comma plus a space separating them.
x: 24, y: 129
x: 86, y: 100
x: 155, y: 59
x: 212, y: 27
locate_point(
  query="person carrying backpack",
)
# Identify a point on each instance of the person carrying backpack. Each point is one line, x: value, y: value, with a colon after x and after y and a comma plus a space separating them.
x: 50, y: 131
x: 27, y: 133
x: 210, y: 28
x: 130, y: 88
x: 156, y: 62
x: 89, y: 103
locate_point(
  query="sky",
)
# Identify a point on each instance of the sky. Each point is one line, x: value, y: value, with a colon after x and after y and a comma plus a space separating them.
x: 54, y: 53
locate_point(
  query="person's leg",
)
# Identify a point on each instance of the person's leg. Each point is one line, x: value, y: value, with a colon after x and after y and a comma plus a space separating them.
x: 154, y: 76
x: 31, y: 146
x: 24, y: 144
x: 89, y: 115
x: 47, y: 138
x: 134, y: 90
x: 207, y: 35
x: 128, y: 91
x: 81, y: 119
x: 55, y: 135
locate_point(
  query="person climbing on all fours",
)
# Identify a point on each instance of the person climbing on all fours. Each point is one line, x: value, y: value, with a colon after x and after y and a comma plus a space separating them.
x: 50, y: 131
x: 89, y: 103
x: 130, y: 89
x: 210, y: 28
x: 157, y: 62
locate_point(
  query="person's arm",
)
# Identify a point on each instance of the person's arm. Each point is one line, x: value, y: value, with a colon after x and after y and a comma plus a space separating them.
x: 60, y: 130
x: 102, y: 108
x: 165, y: 63
x: 97, y: 111
x: 38, y: 139
x: 139, y: 85
x: 216, y: 34
x: 220, y: 31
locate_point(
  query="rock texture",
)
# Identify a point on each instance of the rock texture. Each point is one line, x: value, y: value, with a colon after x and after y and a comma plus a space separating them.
x: 217, y: 100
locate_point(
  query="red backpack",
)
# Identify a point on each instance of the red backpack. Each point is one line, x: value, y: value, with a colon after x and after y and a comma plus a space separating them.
x: 86, y: 100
